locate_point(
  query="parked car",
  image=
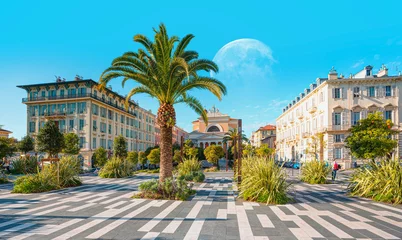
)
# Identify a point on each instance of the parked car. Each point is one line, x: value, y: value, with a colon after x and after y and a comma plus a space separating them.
x: 296, y: 165
x: 206, y: 164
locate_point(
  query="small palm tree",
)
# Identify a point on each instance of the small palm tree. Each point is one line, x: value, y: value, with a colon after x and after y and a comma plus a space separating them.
x: 233, y: 135
x: 167, y: 71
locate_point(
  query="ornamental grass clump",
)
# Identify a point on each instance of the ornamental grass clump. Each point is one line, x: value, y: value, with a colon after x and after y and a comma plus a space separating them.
x: 53, y: 176
x: 263, y: 181
x: 382, y: 182
x: 116, y: 168
x: 190, y: 170
x: 24, y: 165
x: 315, y: 172
x: 171, y: 189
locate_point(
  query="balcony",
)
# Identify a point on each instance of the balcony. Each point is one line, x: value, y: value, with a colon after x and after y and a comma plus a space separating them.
x: 306, y: 135
x: 312, y: 109
x: 338, y: 127
x: 300, y: 116
x: 55, y: 115
x: 76, y: 96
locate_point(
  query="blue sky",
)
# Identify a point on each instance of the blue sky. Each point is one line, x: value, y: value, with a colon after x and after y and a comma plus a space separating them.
x: 41, y: 39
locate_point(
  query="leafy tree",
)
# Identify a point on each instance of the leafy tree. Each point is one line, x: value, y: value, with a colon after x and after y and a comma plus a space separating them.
x: 71, y: 144
x: 133, y: 157
x: 7, y: 147
x: 50, y: 139
x: 231, y: 136
x: 149, y: 149
x: 142, y: 158
x: 177, y: 156
x: 120, y: 147
x: 201, y: 155
x: 315, y: 147
x: 192, y: 152
x: 154, y: 156
x: 100, y: 156
x: 26, y: 144
x: 248, y: 150
x: 176, y: 146
x: 264, y: 151
x: 167, y: 71
x: 371, y: 138
x: 213, y: 153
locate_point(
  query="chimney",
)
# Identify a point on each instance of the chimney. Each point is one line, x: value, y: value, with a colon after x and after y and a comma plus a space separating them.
x: 306, y: 91
x: 383, y: 72
x: 332, y: 74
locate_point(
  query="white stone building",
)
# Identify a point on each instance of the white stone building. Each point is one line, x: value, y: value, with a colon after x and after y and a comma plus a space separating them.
x: 329, y: 107
x: 96, y: 116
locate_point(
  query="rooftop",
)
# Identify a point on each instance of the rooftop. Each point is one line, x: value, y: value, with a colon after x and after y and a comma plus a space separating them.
x: 4, y: 130
x: 267, y: 127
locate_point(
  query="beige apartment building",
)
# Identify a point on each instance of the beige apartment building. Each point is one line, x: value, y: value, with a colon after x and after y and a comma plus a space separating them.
x: 264, y: 135
x: 96, y: 116
x: 316, y: 123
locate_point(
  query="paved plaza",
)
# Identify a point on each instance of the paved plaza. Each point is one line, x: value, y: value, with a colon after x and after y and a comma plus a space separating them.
x: 104, y: 209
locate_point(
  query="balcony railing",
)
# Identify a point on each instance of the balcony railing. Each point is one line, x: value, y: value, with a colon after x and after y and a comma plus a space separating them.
x: 338, y: 127
x: 312, y: 109
x: 75, y: 96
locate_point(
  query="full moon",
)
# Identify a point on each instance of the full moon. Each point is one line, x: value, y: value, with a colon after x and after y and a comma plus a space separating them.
x: 244, y: 61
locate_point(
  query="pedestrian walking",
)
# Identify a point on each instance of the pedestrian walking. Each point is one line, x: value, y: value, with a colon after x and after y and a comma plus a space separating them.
x: 335, y: 168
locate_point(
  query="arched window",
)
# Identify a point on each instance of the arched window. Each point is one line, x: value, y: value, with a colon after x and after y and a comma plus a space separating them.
x: 213, y: 129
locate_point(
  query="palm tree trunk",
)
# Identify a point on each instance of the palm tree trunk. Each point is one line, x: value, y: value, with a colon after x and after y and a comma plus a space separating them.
x: 166, y: 166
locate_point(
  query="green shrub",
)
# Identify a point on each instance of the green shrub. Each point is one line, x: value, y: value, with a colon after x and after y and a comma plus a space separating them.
x: 116, y: 168
x: 198, y: 176
x: 188, y: 166
x: 381, y: 182
x: 177, y: 189
x: 24, y: 165
x: 51, y: 177
x: 315, y: 172
x: 3, y: 177
x: 263, y: 181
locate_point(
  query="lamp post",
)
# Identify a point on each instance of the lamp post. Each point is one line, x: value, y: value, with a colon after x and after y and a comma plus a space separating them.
x: 239, y: 151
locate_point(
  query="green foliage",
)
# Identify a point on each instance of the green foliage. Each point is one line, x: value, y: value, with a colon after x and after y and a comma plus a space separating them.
x: 315, y: 172
x: 201, y: 155
x: 370, y: 139
x: 142, y: 158
x: 188, y: 166
x: 24, y: 165
x: 51, y: 177
x: 192, y: 152
x: 149, y: 149
x: 120, y: 147
x: 50, y: 139
x: 248, y: 150
x: 177, y: 189
x: 189, y: 150
x: 263, y: 181
x: 7, y: 147
x: 26, y: 144
x: 154, y: 156
x: 3, y: 177
x: 264, y: 151
x: 193, y: 176
x: 213, y: 153
x: 177, y: 156
x: 133, y: 158
x: 71, y: 144
x: 116, y: 168
x: 382, y: 182
x: 100, y: 157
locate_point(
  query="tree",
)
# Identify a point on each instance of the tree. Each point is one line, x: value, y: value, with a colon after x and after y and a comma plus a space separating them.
x: 231, y: 136
x: 213, y: 153
x: 315, y: 147
x: 192, y: 152
x: 371, y: 138
x: 166, y: 71
x: 201, y: 155
x: 7, y: 147
x: 177, y: 156
x: 26, y: 144
x: 248, y: 150
x: 133, y: 158
x: 100, y: 156
x: 264, y: 151
x: 71, y: 144
x: 120, y: 147
x: 154, y: 156
x: 142, y: 158
x: 50, y: 139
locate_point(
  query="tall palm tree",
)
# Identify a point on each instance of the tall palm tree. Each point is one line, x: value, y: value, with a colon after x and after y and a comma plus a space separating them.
x: 167, y: 71
x: 231, y: 136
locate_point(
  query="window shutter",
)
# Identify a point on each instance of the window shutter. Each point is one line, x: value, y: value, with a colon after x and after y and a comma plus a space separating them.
x: 344, y: 117
x: 344, y: 93
x: 376, y: 91
x: 393, y: 92
x: 333, y: 119
x: 342, y: 137
x: 364, y: 114
x: 352, y: 119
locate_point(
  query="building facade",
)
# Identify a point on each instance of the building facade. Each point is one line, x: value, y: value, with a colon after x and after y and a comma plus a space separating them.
x: 316, y: 123
x: 204, y: 135
x: 4, y: 133
x: 96, y: 116
x: 177, y: 133
x: 264, y: 135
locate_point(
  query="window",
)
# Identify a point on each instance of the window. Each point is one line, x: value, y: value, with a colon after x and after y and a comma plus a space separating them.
x: 62, y: 92
x: 72, y: 92
x: 62, y: 125
x: 338, y: 153
x: 337, y: 93
x: 127, y: 121
x: 93, y: 143
x: 355, y: 118
x: 82, y: 91
x: 31, y: 127
x: 337, y: 138
x: 356, y: 91
x: 371, y: 92
x: 110, y: 144
x: 121, y: 131
x: 127, y: 133
x: 110, y: 114
x: 43, y: 93
x: 337, y: 119
x: 368, y: 72
x: 94, y: 125
x: 71, y: 108
x: 52, y: 94
x: 103, y: 143
x: 388, y: 115
x: 121, y: 118
x: 110, y: 129
x: 82, y: 142
x: 103, y: 112
x: 61, y: 108
x: 82, y: 107
x: 71, y: 125
x: 388, y: 91
x: 103, y: 127
x: 81, y: 126
x: 95, y: 109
